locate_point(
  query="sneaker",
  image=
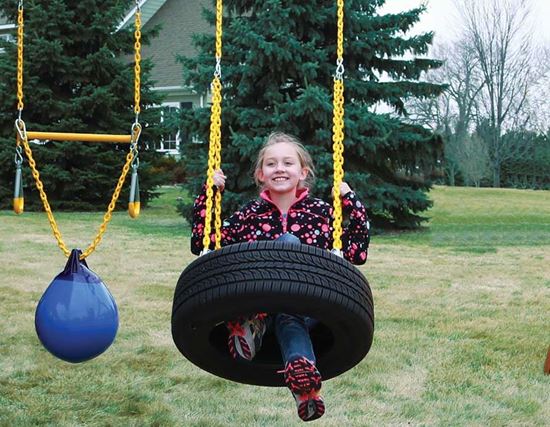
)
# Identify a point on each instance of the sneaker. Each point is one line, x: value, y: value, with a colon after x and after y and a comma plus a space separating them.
x: 304, y: 381
x: 245, y: 336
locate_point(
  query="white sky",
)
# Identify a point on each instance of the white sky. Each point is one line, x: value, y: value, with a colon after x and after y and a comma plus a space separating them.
x: 443, y: 17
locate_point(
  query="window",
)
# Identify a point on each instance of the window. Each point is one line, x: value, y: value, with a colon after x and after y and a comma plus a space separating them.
x: 170, y: 141
x: 6, y: 38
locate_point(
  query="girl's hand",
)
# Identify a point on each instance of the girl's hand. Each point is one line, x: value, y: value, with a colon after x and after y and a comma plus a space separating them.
x: 344, y: 189
x: 219, y: 179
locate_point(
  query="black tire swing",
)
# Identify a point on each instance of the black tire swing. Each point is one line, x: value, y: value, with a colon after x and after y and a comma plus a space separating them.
x: 272, y: 277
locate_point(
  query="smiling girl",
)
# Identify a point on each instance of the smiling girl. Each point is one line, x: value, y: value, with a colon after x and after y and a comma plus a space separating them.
x: 285, y: 211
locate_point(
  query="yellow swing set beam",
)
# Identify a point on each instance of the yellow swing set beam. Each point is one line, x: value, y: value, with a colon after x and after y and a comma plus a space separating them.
x: 83, y: 137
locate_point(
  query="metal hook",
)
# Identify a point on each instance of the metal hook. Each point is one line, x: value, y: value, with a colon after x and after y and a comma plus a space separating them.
x: 21, y: 129
x: 337, y: 252
x: 135, y: 162
x: 204, y: 252
x: 339, y: 69
x: 135, y: 132
x: 18, y: 155
x: 218, y: 68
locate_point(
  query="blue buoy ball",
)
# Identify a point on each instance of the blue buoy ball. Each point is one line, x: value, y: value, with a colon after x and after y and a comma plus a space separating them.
x: 77, y: 318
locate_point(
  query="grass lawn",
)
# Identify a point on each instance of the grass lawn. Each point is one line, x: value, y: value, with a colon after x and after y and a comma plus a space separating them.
x: 462, y: 325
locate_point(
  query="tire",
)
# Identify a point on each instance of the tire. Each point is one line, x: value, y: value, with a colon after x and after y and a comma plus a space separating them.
x: 272, y: 277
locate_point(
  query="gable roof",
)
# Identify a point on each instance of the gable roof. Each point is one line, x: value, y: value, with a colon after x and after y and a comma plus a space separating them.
x: 148, y: 9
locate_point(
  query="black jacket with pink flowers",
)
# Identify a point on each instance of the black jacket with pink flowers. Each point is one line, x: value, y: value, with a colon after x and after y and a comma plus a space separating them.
x: 308, y: 218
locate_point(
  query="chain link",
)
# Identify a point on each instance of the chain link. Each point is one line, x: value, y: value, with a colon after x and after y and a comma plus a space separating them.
x: 218, y: 68
x: 219, y: 17
x: 214, y: 202
x: 22, y: 135
x: 137, y: 61
x: 214, y: 162
x: 22, y: 139
x: 338, y: 130
x: 136, y: 133
x: 18, y: 154
x: 339, y: 69
x: 20, y: 24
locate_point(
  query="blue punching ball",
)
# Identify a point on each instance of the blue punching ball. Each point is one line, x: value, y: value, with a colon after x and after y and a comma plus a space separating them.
x: 77, y: 317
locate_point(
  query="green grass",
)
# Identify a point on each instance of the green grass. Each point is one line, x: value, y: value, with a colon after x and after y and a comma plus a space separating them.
x: 480, y: 220
x: 462, y: 325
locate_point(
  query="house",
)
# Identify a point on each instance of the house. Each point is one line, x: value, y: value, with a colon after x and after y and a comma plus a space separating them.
x: 179, y: 19
x: 7, y: 30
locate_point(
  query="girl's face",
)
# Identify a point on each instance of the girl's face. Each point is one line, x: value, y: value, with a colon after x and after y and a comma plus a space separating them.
x: 281, y: 169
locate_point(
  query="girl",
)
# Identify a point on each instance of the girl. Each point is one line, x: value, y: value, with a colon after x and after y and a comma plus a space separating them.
x: 285, y: 211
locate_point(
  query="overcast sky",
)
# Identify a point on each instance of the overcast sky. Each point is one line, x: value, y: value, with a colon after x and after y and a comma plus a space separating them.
x: 443, y: 17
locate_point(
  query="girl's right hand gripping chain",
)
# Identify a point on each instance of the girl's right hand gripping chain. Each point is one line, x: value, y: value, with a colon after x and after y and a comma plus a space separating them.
x: 219, y: 179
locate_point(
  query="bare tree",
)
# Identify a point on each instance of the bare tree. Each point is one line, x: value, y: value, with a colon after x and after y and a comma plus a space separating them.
x: 453, y: 112
x: 474, y: 160
x: 498, y: 32
x: 535, y: 115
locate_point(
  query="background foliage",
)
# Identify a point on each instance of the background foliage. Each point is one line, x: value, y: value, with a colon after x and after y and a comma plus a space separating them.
x: 78, y: 77
x: 277, y: 69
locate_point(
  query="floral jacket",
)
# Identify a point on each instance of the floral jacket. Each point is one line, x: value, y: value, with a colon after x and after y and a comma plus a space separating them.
x: 308, y: 218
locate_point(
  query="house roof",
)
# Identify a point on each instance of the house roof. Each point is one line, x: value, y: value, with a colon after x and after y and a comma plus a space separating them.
x: 148, y: 10
x: 179, y: 20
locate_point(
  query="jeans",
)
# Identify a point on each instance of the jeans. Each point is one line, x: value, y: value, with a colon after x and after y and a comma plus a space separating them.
x: 292, y: 331
x: 292, y: 334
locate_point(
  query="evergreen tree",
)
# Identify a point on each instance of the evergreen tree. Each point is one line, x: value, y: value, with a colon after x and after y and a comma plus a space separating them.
x: 277, y: 69
x: 78, y: 77
x: 530, y: 167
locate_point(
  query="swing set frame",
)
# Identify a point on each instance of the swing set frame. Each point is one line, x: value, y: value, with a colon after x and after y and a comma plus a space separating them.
x: 23, y: 136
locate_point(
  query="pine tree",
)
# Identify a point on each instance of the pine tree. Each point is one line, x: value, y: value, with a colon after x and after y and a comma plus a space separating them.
x: 78, y: 77
x: 277, y: 69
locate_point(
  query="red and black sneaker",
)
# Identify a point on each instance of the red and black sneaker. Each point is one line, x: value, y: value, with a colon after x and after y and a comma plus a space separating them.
x: 304, y: 381
x: 245, y: 336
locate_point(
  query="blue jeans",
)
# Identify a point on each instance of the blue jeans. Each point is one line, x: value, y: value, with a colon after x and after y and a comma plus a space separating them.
x: 292, y: 334
x: 292, y: 331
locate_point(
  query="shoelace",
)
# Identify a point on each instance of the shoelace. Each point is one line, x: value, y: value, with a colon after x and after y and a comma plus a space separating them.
x: 299, y: 373
x: 235, y: 328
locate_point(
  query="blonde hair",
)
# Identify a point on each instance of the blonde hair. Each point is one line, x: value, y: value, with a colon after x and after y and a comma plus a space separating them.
x: 304, y: 157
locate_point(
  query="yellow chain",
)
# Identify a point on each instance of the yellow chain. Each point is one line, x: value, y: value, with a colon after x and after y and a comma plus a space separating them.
x: 340, y: 39
x: 137, y: 60
x: 338, y: 130
x: 136, y: 131
x: 23, y: 140
x: 218, y: 199
x: 214, y: 160
x: 106, y: 218
x: 20, y: 58
x: 214, y: 150
x: 219, y: 10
